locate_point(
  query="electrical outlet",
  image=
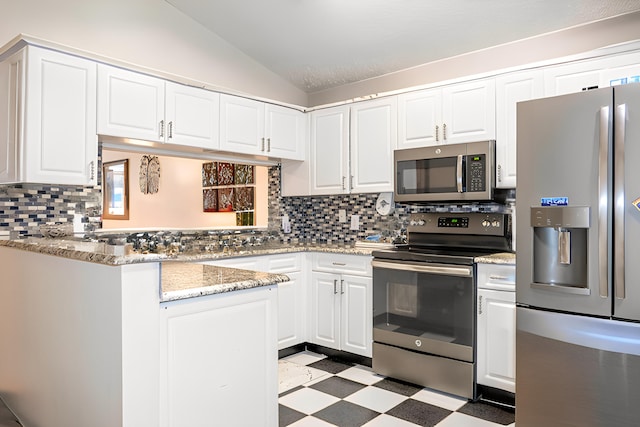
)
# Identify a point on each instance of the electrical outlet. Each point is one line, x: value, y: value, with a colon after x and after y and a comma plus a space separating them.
x: 342, y: 215
x: 355, y: 222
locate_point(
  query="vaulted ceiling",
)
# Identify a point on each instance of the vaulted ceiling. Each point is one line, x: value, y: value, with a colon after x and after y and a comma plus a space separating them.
x: 322, y: 44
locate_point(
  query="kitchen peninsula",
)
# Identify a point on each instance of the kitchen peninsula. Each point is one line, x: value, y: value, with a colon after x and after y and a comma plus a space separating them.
x: 91, y: 338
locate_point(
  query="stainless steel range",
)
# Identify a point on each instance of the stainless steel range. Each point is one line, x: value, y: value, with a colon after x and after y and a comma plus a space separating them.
x: 424, y: 299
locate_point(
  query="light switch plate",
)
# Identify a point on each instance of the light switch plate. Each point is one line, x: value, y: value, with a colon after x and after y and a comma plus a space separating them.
x: 342, y: 215
x: 355, y: 222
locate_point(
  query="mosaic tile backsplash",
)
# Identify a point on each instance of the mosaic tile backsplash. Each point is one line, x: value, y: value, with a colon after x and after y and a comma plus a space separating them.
x: 314, y: 219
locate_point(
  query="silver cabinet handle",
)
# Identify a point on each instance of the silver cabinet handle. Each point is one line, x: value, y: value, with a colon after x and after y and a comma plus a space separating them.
x: 335, y: 286
x: 619, y: 138
x: 262, y: 149
x: 459, y: 173
x: 499, y: 173
x: 342, y: 287
x: 92, y: 170
x: 444, y: 131
x: 268, y: 145
x: 343, y: 178
x: 496, y: 277
x: 170, y: 129
x: 342, y: 264
x: 480, y: 304
x: 603, y: 205
x: 161, y: 128
x: 437, y: 133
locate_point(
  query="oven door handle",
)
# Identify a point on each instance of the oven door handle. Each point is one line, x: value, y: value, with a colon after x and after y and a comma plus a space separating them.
x: 431, y: 269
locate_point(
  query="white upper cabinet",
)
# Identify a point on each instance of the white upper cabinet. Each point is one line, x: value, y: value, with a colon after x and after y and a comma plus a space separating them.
x: 329, y: 155
x: 457, y: 113
x: 48, y: 118
x: 285, y: 131
x: 511, y: 89
x: 253, y: 127
x: 192, y: 116
x: 419, y: 118
x: 469, y: 112
x: 373, y: 138
x: 130, y: 105
x: 134, y: 105
x: 352, y: 147
x: 591, y: 74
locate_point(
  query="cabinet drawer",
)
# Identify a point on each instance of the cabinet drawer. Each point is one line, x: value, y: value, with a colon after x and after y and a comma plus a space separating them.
x: 500, y: 277
x: 283, y: 263
x: 359, y: 265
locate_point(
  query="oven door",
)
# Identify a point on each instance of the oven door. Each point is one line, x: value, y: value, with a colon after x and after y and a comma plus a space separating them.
x: 425, y: 307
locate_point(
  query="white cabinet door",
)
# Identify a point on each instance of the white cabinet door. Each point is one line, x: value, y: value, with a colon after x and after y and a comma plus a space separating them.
x: 511, y: 89
x: 626, y: 69
x: 130, y: 105
x: 325, y: 310
x: 12, y: 74
x: 356, y: 314
x: 330, y: 151
x: 469, y: 112
x: 419, y: 118
x: 285, y: 130
x: 241, y: 124
x: 291, y: 311
x: 192, y: 116
x: 571, y: 78
x: 59, y: 144
x: 373, y: 138
x: 216, y: 354
x: 49, y: 119
x: 496, y: 339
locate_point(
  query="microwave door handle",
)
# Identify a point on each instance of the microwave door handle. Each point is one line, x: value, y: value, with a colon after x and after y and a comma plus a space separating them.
x: 459, y: 173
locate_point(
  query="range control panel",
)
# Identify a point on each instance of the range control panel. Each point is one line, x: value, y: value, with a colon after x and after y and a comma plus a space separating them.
x: 495, y: 224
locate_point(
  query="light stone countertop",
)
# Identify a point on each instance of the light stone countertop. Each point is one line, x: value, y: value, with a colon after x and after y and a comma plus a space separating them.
x: 180, y: 280
x: 498, y: 258
x: 101, y: 253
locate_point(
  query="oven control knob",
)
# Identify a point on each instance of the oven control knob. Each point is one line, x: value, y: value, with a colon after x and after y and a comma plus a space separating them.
x: 418, y: 343
x: 485, y: 223
x: 421, y: 222
x: 413, y: 223
x: 496, y: 223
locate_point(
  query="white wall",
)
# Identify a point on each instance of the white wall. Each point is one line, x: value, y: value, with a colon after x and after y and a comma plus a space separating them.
x: 178, y: 203
x: 572, y: 41
x: 148, y: 33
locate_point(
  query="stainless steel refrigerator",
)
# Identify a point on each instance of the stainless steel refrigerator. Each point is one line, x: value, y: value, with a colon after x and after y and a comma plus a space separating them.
x: 578, y: 259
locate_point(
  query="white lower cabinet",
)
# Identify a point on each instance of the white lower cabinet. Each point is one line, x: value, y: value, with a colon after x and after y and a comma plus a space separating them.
x: 292, y: 316
x: 203, y: 382
x: 341, y: 303
x: 496, y: 326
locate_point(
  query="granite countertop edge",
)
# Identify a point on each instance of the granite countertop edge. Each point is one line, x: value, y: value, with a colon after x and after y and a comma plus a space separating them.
x: 97, y: 252
x: 183, y: 280
x: 497, y: 258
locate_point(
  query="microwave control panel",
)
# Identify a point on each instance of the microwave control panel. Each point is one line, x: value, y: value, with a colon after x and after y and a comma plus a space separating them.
x: 476, y: 170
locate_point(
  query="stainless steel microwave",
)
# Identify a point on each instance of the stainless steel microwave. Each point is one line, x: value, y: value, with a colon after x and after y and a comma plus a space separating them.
x: 445, y: 173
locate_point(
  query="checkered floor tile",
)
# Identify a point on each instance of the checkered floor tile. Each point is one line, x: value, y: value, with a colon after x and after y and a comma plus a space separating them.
x: 317, y: 391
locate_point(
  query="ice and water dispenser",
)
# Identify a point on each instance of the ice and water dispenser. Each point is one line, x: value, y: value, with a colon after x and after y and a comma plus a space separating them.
x: 560, y: 247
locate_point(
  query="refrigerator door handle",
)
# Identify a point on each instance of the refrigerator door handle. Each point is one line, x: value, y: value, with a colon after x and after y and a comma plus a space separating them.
x: 618, y: 221
x: 602, y: 204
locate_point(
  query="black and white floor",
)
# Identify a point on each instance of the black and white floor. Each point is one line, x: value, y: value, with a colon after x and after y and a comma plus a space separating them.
x: 315, y: 391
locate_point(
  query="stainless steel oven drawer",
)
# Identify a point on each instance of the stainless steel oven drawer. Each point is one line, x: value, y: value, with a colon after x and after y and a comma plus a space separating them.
x: 439, y: 373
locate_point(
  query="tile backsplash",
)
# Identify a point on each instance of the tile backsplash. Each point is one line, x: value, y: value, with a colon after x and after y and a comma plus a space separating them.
x: 25, y: 207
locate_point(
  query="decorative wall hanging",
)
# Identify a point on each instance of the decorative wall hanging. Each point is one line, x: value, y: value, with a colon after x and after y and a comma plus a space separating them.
x: 229, y: 187
x: 149, y: 174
